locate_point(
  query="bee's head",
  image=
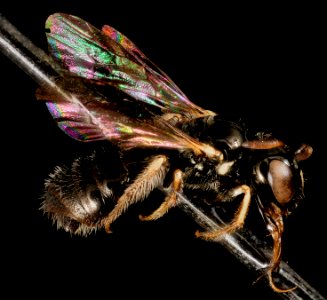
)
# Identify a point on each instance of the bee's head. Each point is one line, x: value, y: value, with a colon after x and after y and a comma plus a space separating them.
x: 283, y: 176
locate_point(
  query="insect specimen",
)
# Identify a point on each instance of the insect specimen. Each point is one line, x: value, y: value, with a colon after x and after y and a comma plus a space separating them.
x: 115, y: 94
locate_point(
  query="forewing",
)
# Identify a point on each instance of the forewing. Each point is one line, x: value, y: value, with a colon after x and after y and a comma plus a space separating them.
x: 109, y: 58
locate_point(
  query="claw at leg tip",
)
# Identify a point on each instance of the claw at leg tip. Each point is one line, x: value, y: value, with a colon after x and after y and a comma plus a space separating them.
x: 142, y: 218
x: 277, y: 289
x: 107, y: 228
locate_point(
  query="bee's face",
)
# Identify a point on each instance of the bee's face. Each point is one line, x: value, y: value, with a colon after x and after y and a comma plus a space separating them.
x: 282, y: 174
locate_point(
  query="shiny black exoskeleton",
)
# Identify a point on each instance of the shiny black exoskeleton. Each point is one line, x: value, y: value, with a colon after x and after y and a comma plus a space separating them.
x: 77, y: 197
x: 265, y: 164
x: 82, y: 197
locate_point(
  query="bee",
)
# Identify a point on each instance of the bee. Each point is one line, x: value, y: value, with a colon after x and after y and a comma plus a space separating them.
x: 152, y: 136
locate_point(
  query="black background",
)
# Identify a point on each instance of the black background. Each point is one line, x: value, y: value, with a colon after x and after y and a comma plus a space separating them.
x: 262, y: 63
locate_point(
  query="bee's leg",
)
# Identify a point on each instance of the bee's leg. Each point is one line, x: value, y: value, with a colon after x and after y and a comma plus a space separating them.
x: 275, y: 226
x: 170, y: 200
x: 238, y: 219
x: 150, y: 178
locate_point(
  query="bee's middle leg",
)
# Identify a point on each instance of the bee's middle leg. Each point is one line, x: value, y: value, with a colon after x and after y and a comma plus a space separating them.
x: 238, y: 219
x: 170, y: 200
x: 150, y: 178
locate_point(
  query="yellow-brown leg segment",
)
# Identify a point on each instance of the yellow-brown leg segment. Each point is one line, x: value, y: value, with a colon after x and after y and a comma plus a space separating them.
x: 276, y: 228
x: 238, y: 219
x: 170, y: 200
x: 150, y: 178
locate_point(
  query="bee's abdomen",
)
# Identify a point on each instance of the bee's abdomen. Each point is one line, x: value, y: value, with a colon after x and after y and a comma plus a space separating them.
x: 77, y: 196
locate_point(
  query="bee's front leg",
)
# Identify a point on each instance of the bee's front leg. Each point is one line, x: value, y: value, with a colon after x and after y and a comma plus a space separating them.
x: 170, y: 200
x: 275, y: 226
x: 239, y: 217
x: 149, y: 179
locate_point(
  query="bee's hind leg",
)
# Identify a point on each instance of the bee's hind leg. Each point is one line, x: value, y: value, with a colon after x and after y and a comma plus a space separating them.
x: 150, y: 178
x: 238, y: 219
x: 170, y: 200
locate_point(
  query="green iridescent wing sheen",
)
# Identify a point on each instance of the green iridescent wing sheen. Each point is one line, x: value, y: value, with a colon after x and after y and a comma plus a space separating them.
x: 109, y: 58
x: 89, y: 55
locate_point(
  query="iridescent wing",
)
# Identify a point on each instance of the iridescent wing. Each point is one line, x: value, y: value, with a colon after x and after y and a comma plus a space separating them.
x: 86, y: 115
x: 109, y: 58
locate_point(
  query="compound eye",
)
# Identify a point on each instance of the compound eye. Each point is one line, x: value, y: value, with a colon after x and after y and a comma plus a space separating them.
x: 280, y: 178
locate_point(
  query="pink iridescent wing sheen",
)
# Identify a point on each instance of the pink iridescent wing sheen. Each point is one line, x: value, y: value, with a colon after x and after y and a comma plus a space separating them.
x: 86, y: 116
x: 109, y: 58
